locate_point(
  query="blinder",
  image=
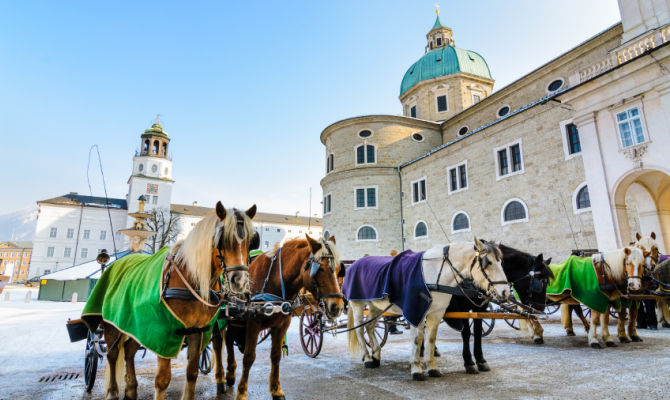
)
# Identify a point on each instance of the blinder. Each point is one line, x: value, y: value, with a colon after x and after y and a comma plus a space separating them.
x: 255, y: 241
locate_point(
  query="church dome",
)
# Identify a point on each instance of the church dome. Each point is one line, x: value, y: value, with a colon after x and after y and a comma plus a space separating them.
x: 444, y: 61
x: 156, y: 129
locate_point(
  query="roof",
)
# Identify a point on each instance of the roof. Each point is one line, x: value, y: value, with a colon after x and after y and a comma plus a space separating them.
x: 438, y: 24
x: 443, y: 61
x: 259, y: 218
x: 74, y: 199
x: 19, y: 245
x: 89, y: 269
x: 156, y: 129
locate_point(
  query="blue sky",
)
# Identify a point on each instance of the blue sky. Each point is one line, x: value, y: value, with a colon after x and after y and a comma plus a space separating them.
x: 243, y: 88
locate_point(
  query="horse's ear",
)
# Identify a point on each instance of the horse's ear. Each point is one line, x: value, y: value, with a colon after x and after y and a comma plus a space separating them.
x: 220, y: 211
x: 314, y: 244
x: 539, y: 257
x: 638, y: 236
x: 653, y: 235
x: 251, y: 212
x: 332, y: 239
x: 478, y: 244
x: 626, y: 251
x: 548, y: 261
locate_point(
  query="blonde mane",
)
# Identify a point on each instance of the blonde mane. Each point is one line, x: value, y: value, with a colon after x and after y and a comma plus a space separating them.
x: 615, y: 258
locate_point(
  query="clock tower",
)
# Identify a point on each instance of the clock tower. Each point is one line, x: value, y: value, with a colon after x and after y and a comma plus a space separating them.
x: 152, y: 171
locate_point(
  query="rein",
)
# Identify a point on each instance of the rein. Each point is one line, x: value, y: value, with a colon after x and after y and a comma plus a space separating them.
x: 188, y: 293
x: 315, y: 265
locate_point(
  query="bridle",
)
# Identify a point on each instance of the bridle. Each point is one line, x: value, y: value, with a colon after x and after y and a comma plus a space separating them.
x: 538, y: 282
x: 604, y: 265
x: 219, y: 248
x: 314, y: 265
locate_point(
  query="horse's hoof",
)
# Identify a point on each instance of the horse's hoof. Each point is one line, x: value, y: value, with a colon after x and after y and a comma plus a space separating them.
x: 230, y: 382
x: 624, y: 339
x: 419, y: 376
x: 470, y: 369
x: 595, y: 345
x: 128, y: 398
x: 610, y: 344
x: 665, y: 325
x: 221, y: 388
x: 484, y: 367
x: 433, y: 373
x: 436, y: 353
x: 282, y: 397
x: 372, y: 364
x: 571, y: 332
x: 636, y: 338
x: 540, y: 340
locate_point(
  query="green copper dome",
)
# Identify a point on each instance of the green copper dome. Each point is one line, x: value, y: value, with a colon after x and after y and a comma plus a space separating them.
x: 156, y: 129
x: 444, y: 61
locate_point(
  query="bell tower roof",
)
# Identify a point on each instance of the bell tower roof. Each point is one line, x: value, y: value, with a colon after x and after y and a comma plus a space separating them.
x: 155, y: 141
x: 438, y: 24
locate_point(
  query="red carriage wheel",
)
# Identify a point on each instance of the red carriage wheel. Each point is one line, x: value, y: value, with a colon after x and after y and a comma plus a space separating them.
x: 311, y: 332
x: 264, y: 334
x: 381, y: 332
x: 205, y: 364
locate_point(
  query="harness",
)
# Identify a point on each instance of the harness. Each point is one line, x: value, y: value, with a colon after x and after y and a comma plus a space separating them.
x: 610, y: 286
x: 536, y: 284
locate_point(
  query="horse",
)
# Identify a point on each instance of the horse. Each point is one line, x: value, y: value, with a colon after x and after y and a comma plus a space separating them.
x: 649, y: 248
x: 299, y: 264
x: 219, y: 243
x: 528, y: 274
x: 614, y: 270
x: 446, y: 266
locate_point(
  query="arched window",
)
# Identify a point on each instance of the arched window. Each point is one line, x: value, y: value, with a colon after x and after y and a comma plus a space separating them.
x: 326, y: 234
x: 366, y: 232
x: 365, y: 154
x: 145, y: 149
x: 583, y: 201
x: 420, y: 230
x: 460, y: 222
x: 164, y: 153
x: 514, y: 211
x: 155, y: 148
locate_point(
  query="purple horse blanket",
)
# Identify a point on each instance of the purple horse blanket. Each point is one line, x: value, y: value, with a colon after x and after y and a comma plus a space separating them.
x: 400, y: 278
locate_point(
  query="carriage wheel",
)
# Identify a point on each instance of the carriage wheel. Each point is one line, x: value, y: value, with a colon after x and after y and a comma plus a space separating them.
x: 586, y: 311
x: 206, y: 360
x: 264, y: 334
x: 514, y: 323
x: 551, y: 308
x: 311, y: 332
x: 90, y: 362
x: 381, y: 332
x: 487, y: 326
x: 614, y: 314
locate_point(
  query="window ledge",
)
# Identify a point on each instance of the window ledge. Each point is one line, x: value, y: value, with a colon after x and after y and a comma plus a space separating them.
x: 499, y: 177
x: 458, y: 190
x: 582, y: 210
x: 516, y: 221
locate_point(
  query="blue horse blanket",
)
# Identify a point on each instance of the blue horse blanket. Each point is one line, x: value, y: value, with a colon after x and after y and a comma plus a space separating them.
x: 400, y: 278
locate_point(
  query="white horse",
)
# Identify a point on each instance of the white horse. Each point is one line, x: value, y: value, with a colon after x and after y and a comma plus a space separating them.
x: 478, y: 261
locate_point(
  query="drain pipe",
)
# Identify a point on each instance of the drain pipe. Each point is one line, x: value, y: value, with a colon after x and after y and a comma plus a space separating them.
x: 402, y: 218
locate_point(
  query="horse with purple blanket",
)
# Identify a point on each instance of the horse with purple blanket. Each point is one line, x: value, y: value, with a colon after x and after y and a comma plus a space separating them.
x: 418, y: 286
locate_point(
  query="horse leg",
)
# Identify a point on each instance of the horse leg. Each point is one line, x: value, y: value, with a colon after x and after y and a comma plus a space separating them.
x: 632, y: 325
x: 595, y: 321
x: 467, y: 356
x: 621, y: 325
x: 217, y: 349
x: 163, y: 376
x: 604, y: 329
x: 193, y: 352
x: 482, y: 365
x: 580, y: 314
x: 538, y: 331
x: 432, y: 323
x: 231, y: 363
x: 252, y: 331
x: 566, y: 319
x: 358, y: 314
x: 375, y: 348
x: 113, y: 336
x: 663, y: 313
x: 131, y: 347
x: 416, y: 335
x: 278, y: 334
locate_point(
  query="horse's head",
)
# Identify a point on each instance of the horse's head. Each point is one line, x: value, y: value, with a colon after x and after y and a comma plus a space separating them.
x: 234, y: 237
x: 320, y: 275
x: 634, y: 264
x: 649, y: 248
x: 486, y: 269
x: 532, y: 289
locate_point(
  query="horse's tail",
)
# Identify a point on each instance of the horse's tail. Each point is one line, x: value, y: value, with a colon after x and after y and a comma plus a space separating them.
x: 120, y: 366
x: 354, y: 346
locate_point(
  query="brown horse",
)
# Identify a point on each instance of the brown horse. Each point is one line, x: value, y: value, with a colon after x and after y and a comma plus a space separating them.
x: 309, y: 264
x: 218, y: 244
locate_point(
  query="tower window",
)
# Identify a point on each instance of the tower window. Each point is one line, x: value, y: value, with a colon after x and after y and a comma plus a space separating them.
x: 574, y: 145
x: 442, y: 103
x: 365, y: 154
x: 412, y: 112
x: 503, y: 111
x: 366, y: 232
x: 463, y: 131
x: 140, y: 168
x: 164, y: 153
x: 365, y: 133
x: 145, y: 149
x: 439, y: 41
x: 155, y: 148
x: 327, y: 203
x: 366, y: 197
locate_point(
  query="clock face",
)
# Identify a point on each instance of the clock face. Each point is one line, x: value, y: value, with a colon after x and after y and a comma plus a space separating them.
x: 141, y: 167
x: 154, y: 168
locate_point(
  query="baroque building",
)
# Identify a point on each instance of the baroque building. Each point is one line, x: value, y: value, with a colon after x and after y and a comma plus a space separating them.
x: 568, y: 157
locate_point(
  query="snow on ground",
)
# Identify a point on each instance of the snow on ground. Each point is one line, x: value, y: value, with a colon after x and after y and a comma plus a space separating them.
x: 35, y: 343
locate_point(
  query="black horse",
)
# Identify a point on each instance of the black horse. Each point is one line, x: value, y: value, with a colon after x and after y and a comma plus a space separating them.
x: 529, y: 275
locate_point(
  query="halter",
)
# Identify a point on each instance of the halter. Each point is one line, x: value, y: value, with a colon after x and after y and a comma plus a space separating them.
x: 227, y: 269
x: 536, y: 284
x: 315, y: 265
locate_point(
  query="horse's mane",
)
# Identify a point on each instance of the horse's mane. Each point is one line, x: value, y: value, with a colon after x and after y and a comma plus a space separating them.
x: 512, y: 252
x: 614, y: 259
x: 299, y: 242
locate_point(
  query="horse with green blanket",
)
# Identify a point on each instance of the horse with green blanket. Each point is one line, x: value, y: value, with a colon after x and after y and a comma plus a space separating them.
x: 171, y: 297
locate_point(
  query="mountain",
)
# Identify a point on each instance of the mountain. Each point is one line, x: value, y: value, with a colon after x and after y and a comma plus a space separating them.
x: 18, y: 225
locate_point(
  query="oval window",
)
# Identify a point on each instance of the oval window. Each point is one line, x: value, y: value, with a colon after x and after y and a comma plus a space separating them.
x: 154, y: 168
x: 141, y: 167
x: 555, y: 85
x: 417, y: 137
x: 503, y: 111
x: 463, y: 131
x: 364, y: 134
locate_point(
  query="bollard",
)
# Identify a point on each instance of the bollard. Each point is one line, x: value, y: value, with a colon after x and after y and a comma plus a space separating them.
x: 27, y: 299
x: 74, y: 298
x: 6, y: 295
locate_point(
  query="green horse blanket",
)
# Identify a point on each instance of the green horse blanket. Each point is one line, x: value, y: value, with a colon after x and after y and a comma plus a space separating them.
x: 577, y: 277
x: 128, y: 296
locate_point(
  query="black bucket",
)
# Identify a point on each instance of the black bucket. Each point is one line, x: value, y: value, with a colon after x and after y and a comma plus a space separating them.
x: 77, y: 330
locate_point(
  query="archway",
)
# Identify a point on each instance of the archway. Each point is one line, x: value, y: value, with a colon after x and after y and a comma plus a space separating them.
x: 642, y: 204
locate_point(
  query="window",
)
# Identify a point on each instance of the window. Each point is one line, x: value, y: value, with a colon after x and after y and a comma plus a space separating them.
x: 103, y: 235
x: 412, y: 112
x: 419, y: 191
x: 329, y: 163
x: 365, y: 154
x: 87, y: 233
x: 460, y: 222
x: 439, y: 41
x: 574, y: 146
x: 476, y: 97
x: 52, y: 232
x: 509, y: 160
x: 50, y: 251
x: 266, y: 244
x: 84, y: 253
x: 514, y: 210
x: 366, y: 133
x: 70, y: 233
x: 154, y: 200
x: 366, y: 197
x: 326, y: 235
x: 503, y: 111
x: 420, y: 230
x: 458, y: 177
x: 417, y: 137
x: 630, y: 127
x: 581, y: 199
x: 155, y: 148
x: 67, y: 252
x: 141, y: 167
x: 366, y: 232
x: 327, y: 203
x: 555, y: 85
x: 441, y: 103
x: 463, y: 131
